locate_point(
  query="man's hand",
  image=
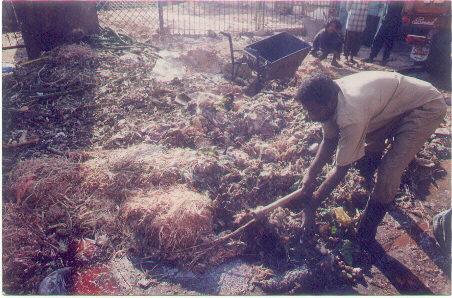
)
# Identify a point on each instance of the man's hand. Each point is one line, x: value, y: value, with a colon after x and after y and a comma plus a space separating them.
x: 306, y: 189
x: 307, y: 185
x: 308, y: 212
x: 308, y: 221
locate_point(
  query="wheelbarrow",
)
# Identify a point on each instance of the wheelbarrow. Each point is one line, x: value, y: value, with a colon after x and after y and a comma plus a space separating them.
x: 275, y: 57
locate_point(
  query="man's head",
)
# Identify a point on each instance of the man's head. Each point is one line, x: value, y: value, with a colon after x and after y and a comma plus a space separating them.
x: 318, y: 95
x: 333, y: 25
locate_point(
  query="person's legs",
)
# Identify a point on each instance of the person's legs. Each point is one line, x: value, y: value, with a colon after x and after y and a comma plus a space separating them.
x: 337, y: 49
x: 323, y: 55
x: 336, y: 57
x: 370, y: 220
x: 347, y: 44
x: 315, y: 53
x: 353, y: 42
x: 355, y: 45
x: 378, y: 43
x: 389, y: 43
x: 367, y: 165
x: 376, y: 143
x: 414, y: 130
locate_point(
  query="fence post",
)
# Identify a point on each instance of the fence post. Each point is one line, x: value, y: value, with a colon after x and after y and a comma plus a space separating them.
x: 259, y: 15
x: 160, y: 8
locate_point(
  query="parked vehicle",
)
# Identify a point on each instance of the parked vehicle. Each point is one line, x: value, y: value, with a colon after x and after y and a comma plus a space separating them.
x: 428, y: 27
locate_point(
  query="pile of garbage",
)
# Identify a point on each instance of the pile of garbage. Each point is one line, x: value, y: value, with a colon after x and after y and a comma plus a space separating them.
x: 102, y: 159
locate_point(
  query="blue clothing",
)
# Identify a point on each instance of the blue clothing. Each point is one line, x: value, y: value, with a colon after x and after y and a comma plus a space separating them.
x: 387, y: 32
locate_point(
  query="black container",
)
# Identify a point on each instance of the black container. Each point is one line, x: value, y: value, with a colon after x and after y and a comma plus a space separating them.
x: 276, y: 57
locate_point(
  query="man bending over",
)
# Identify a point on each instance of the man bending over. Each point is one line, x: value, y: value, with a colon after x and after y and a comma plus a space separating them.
x: 361, y: 115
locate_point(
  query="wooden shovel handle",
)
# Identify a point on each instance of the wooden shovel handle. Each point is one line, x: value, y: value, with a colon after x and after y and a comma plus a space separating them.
x: 261, y: 211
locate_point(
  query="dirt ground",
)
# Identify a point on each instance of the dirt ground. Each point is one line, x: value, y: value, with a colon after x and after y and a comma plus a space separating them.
x: 412, y: 262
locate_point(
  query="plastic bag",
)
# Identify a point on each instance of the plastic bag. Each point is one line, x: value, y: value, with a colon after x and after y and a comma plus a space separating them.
x: 56, y: 282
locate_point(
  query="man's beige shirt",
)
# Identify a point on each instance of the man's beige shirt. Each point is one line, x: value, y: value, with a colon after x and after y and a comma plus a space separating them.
x: 369, y: 101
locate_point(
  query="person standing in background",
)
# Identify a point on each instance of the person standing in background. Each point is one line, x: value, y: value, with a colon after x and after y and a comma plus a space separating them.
x: 374, y: 14
x: 356, y: 24
x: 387, y: 32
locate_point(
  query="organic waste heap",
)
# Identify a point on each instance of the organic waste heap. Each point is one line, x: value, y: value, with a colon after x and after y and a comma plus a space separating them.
x: 100, y: 161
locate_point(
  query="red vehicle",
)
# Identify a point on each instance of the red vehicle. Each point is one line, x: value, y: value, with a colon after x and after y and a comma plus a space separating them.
x: 428, y: 25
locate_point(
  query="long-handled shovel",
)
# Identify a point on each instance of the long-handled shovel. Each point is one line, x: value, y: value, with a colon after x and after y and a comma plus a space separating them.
x: 258, y: 213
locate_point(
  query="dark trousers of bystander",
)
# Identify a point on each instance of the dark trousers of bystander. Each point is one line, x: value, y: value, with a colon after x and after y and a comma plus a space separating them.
x: 353, y: 41
x: 385, y: 36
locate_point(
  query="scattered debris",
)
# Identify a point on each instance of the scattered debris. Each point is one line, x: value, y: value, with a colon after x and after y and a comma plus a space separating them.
x: 148, y: 153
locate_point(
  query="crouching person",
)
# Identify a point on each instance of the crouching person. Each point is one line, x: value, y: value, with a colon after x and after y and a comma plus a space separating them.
x: 329, y: 40
x: 361, y: 115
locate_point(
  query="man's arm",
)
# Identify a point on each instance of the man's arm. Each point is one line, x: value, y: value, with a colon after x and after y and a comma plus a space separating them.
x: 324, y: 154
x: 334, y: 177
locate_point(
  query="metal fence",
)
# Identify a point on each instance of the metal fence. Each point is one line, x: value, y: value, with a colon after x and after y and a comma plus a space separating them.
x: 11, y: 35
x: 197, y: 17
x: 141, y: 19
x: 137, y: 18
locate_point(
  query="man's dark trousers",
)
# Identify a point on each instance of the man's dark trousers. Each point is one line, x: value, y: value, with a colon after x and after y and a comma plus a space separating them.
x: 386, y: 36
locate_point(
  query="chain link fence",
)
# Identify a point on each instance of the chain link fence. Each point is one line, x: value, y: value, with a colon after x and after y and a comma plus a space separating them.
x: 136, y: 18
x: 141, y: 19
x: 11, y: 35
